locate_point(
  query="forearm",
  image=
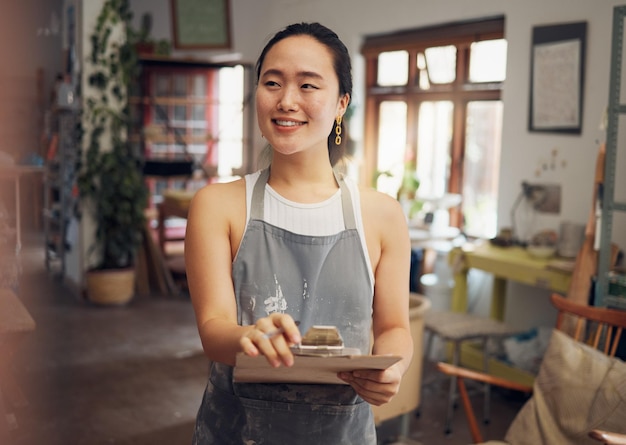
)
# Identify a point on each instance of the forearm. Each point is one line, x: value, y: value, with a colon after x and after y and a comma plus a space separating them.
x: 221, y: 339
x: 395, y: 341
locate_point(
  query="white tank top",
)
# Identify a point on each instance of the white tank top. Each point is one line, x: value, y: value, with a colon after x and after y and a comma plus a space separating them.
x: 316, y: 219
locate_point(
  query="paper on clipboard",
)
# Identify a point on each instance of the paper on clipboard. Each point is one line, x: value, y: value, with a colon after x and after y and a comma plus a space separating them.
x: 306, y: 369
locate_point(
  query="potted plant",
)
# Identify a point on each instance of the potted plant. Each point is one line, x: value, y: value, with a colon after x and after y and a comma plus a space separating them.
x: 144, y: 43
x: 407, y: 193
x: 110, y: 180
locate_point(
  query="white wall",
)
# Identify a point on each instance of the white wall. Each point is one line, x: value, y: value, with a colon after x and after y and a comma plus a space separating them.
x: 255, y: 21
x: 522, y: 151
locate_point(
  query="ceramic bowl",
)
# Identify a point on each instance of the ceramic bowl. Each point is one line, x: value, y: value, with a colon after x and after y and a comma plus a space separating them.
x: 541, y: 251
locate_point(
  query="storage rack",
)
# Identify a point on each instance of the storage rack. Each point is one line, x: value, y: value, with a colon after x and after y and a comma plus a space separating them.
x: 609, y: 205
x: 58, y: 184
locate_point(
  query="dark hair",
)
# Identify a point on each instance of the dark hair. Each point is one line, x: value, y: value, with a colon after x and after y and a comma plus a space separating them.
x: 341, y: 64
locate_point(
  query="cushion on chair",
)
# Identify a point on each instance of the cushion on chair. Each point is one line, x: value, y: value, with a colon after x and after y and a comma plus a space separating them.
x: 577, y: 389
x: 464, y: 326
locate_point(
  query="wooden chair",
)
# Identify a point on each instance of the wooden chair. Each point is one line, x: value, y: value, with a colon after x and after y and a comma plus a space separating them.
x: 597, y: 328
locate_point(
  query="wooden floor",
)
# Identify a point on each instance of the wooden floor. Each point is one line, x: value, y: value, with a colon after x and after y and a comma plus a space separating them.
x: 135, y: 374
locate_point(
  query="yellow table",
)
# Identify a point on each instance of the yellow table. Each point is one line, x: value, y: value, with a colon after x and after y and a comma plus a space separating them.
x: 505, y: 263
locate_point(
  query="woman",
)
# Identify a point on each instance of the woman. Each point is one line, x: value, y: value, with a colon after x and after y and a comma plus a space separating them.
x: 297, y: 241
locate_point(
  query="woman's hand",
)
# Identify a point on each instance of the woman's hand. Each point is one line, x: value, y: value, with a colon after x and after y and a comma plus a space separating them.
x: 272, y: 337
x: 374, y: 386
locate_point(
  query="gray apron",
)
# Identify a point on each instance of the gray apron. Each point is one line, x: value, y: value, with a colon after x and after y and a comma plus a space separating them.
x: 317, y: 280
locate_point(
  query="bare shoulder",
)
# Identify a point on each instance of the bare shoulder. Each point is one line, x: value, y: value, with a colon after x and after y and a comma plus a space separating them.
x: 380, y: 208
x: 385, y: 226
x: 219, y: 201
x: 219, y: 192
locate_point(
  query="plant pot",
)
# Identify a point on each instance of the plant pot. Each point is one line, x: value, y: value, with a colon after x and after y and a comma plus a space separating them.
x: 111, y: 287
x: 144, y: 48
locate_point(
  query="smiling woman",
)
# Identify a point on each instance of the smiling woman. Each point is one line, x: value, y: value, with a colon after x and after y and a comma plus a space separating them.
x: 277, y: 246
x: 298, y: 96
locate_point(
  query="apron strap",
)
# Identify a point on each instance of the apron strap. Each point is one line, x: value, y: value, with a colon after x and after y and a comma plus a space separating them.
x: 258, y: 199
x: 346, y: 202
x: 258, y: 195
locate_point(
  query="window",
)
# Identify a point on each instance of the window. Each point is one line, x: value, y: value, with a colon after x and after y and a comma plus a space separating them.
x: 433, y: 104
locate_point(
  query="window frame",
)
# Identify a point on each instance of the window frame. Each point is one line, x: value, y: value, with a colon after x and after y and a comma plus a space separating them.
x: 459, y: 92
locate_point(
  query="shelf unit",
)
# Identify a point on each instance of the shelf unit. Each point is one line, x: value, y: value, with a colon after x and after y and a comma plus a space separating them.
x: 58, y: 183
x: 180, y: 121
x: 609, y: 205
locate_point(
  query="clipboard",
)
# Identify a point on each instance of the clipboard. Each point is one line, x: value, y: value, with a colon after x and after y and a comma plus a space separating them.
x: 306, y: 369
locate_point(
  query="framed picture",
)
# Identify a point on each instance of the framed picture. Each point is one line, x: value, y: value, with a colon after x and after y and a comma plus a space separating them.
x: 201, y: 24
x: 557, y: 78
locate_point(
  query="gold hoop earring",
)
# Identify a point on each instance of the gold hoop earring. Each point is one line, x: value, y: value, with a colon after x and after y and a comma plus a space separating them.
x: 338, y: 131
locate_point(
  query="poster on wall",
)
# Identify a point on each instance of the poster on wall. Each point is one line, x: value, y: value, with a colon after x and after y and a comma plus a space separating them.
x: 557, y: 78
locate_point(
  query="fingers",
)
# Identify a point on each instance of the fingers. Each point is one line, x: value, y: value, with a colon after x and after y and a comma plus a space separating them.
x: 375, y: 387
x: 274, y: 347
x: 272, y: 337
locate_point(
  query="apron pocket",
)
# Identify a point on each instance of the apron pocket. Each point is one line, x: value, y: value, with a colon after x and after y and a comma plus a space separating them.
x: 270, y: 422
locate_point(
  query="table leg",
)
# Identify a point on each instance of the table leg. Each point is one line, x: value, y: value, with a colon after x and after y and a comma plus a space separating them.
x: 498, y: 298
x: 459, y: 292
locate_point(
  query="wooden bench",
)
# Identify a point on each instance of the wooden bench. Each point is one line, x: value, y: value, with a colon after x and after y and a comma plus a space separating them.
x: 15, y: 323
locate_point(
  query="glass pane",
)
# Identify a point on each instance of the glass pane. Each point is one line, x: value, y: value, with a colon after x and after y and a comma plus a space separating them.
x: 178, y: 136
x: 391, y: 146
x: 424, y: 81
x: 198, y: 86
x: 198, y: 112
x: 196, y: 149
x: 433, y: 147
x: 180, y: 85
x: 481, y: 167
x: 159, y: 113
x: 178, y: 150
x: 488, y: 61
x: 393, y: 68
x: 441, y: 63
x: 180, y: 112
x: 161, y: 85
x: 200, y: 125
x: 198, y: 131
x: 159, y: 150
